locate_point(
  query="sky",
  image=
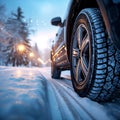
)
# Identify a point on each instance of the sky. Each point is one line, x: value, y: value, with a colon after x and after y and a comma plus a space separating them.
x: 38, y: 13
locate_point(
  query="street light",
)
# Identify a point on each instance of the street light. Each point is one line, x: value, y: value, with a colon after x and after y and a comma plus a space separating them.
x: 21, y: 48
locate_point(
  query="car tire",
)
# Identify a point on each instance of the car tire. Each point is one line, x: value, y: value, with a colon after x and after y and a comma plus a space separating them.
x: 55, y: 72
x: 95, y: 62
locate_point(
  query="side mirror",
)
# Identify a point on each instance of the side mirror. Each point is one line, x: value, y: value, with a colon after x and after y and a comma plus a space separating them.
x: 56, y: 21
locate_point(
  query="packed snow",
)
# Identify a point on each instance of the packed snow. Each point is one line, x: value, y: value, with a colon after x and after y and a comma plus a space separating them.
x: 31, y: 94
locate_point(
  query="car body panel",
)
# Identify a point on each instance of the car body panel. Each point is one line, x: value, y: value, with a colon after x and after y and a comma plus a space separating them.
x: 59, y: 52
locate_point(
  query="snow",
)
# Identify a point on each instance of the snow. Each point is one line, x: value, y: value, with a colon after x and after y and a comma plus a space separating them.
x: 31, y: 94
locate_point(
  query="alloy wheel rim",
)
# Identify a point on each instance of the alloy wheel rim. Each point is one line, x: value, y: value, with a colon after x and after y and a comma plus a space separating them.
x: 81, y: 54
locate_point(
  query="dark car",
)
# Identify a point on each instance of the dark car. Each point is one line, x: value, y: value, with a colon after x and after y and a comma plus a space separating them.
x: 88, y: 43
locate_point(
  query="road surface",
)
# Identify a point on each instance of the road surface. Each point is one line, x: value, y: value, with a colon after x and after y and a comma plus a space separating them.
x: 31, y: 94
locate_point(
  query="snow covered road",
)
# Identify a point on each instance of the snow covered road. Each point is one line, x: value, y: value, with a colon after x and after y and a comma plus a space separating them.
x: 30, y: 94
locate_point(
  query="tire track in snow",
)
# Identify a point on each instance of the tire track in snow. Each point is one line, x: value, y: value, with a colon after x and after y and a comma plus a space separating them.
x: 97, y: 110
x: 66, y: 104
x: 77, y: 110
x: 52, y: 104
x: 82, y: 105
x: 79, y: 107
x: 57, y: 105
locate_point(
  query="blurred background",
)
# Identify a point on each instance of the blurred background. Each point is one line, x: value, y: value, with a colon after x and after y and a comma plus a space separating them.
x: 26, y: 34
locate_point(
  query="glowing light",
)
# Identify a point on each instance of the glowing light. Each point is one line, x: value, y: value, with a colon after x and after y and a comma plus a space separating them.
x: 40, y: 60
x: 31, y: 54
x: 21, y: 48
x: 43, y: 39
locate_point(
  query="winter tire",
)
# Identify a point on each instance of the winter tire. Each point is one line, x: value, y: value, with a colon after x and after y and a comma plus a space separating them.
x: 55, y: 72
x: 95, y: 63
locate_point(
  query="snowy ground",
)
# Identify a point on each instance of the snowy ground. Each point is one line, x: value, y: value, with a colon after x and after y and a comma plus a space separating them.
x: 30, y: 94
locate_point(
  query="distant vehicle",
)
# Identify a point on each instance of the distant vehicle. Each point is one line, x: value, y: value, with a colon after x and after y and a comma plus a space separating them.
x: 88, y: 44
